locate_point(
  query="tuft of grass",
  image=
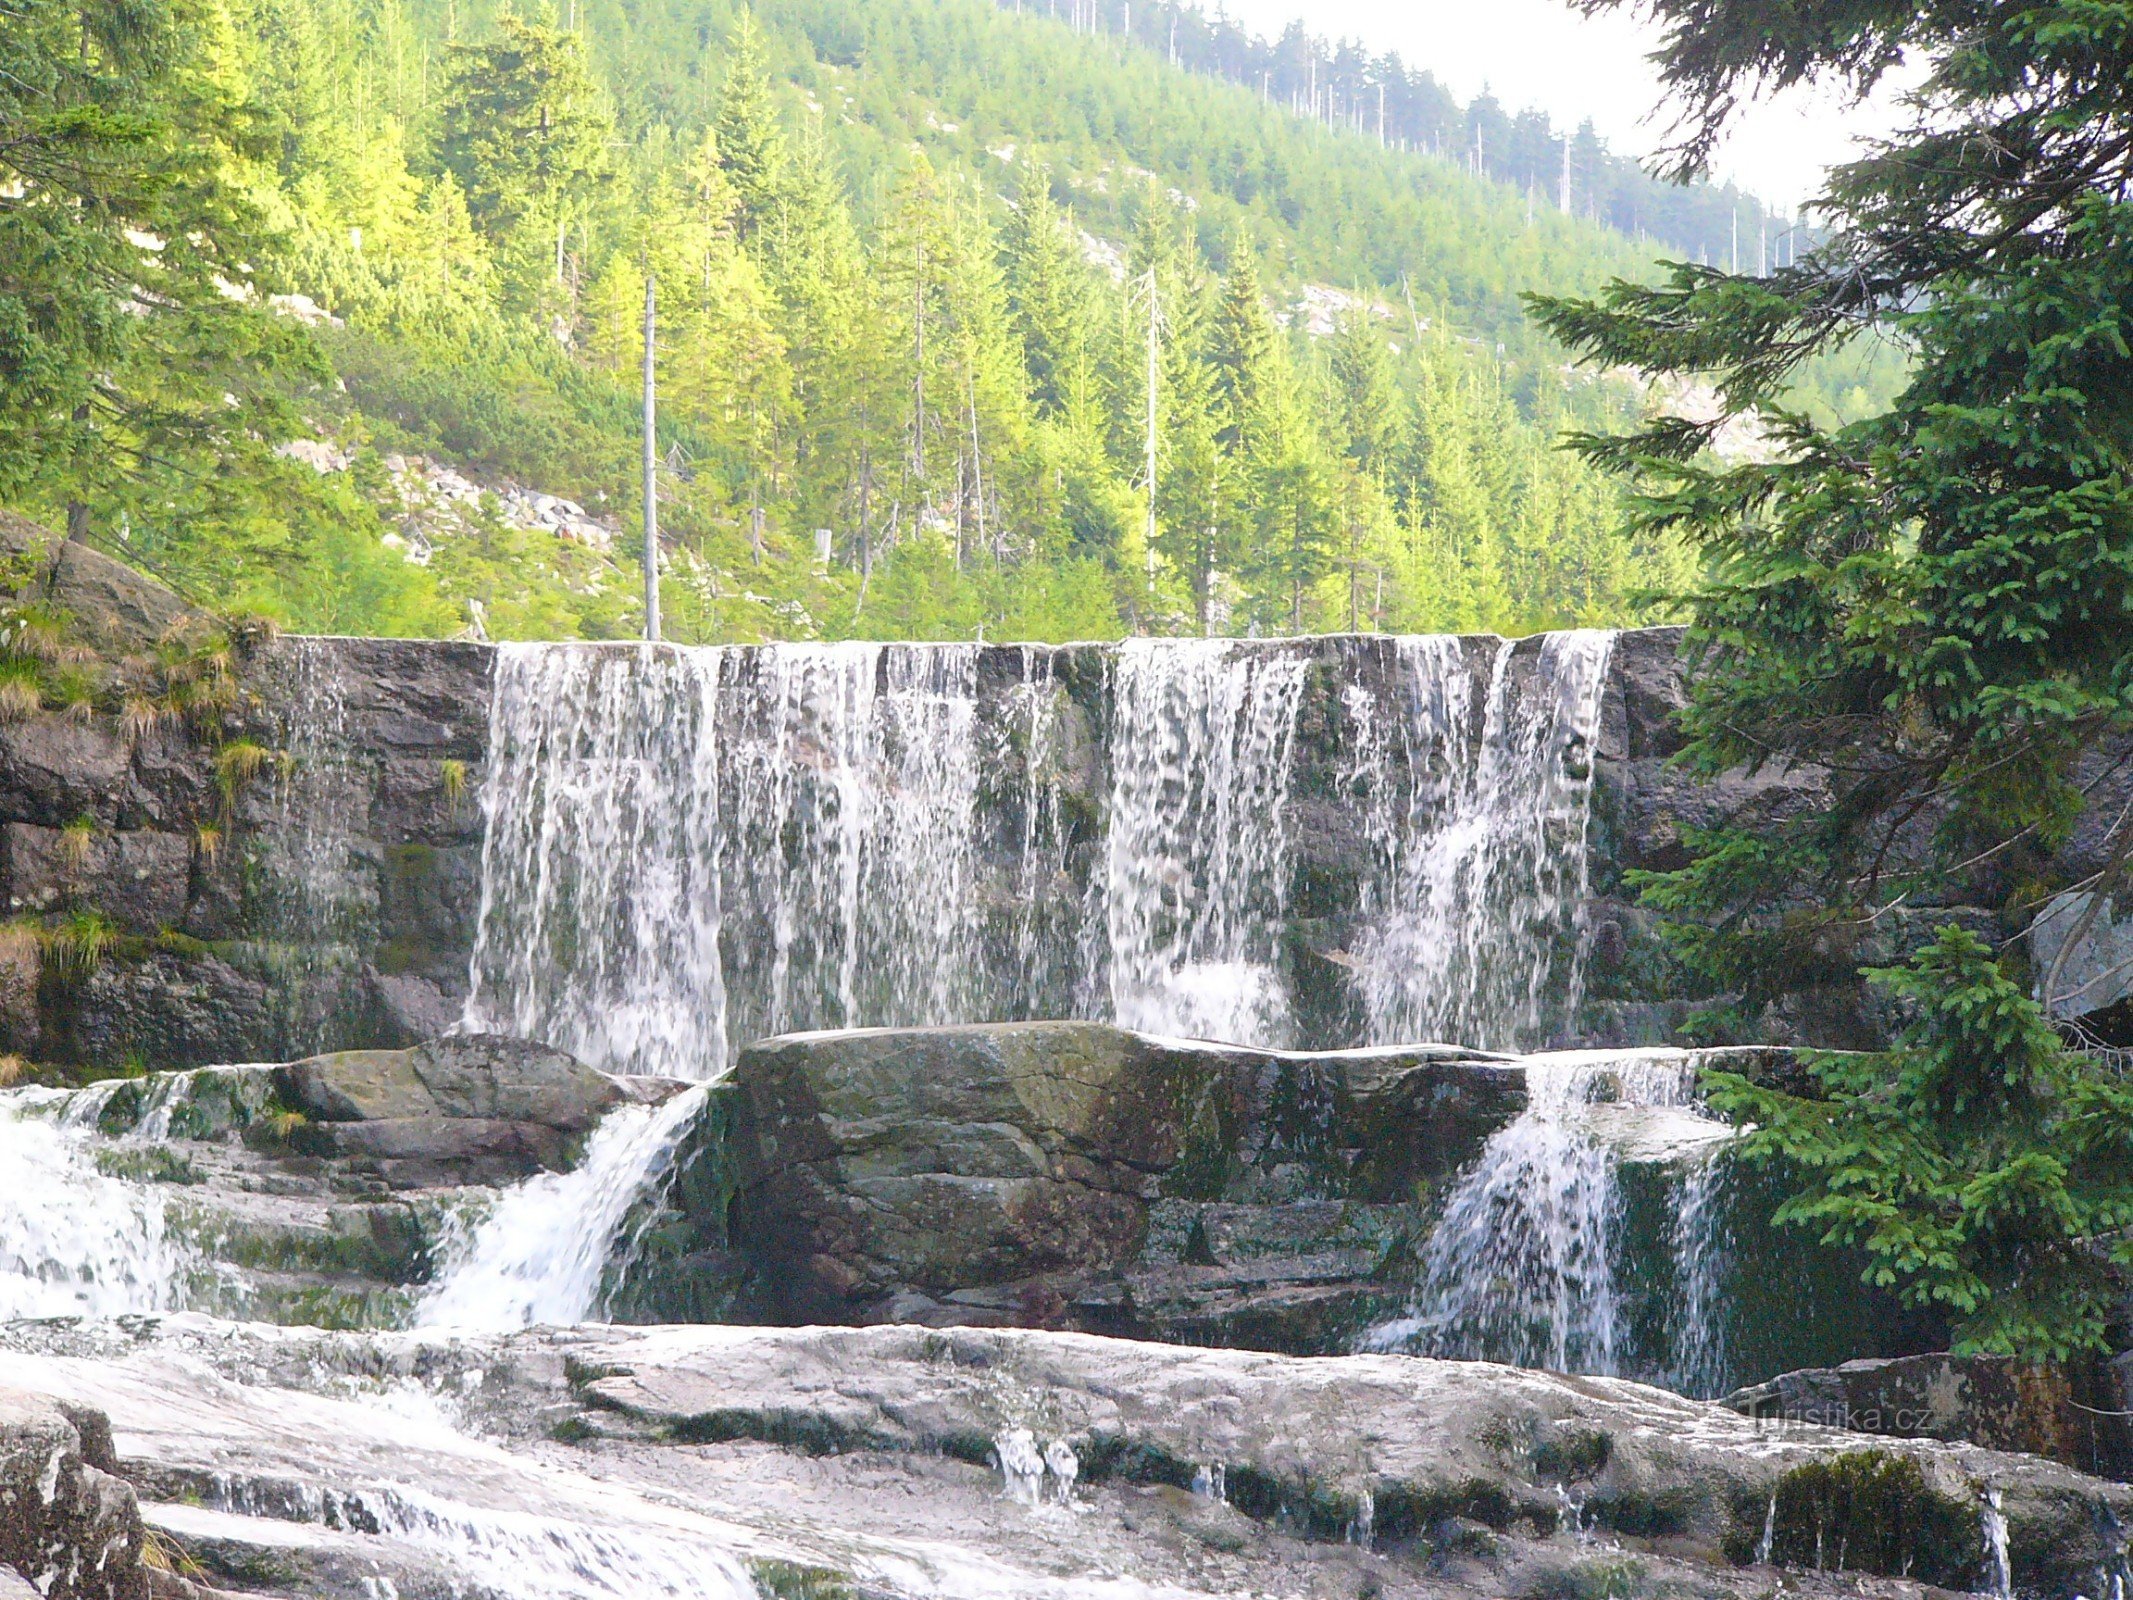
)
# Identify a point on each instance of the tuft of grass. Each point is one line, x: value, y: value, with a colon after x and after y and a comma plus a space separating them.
x: 73, y: 689
x: 13, y: 1069
x: 141, y: 715
x: 77, y: 943
x: 161, y: 1553
x: 237, y: 764
x: 209, y: 838
x: 282, y: 1123
x: 76, y: 840
x: 21, y: 690
x: 40, y: 633
x: 453, y: 774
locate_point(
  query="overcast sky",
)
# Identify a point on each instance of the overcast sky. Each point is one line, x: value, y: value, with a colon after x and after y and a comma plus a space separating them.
x: 1539, y: 53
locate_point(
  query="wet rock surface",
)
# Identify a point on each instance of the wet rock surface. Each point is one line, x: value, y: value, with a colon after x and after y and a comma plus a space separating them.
x: 69, y: 1526
x: 732, y: 1461
x: 331, y: 1191
x: 1076, y: 1175
x: 477, y: 1108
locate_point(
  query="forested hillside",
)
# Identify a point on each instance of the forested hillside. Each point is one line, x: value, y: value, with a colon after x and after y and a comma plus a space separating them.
x: 948, y: 295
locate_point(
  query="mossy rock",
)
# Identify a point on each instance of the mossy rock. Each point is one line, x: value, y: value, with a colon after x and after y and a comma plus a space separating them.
x: 1869, y: 1511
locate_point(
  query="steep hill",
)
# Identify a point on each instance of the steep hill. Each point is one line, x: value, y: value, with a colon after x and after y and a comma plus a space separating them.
x: 923, y: 265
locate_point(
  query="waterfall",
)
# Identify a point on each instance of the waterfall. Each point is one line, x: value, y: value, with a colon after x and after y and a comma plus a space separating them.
x: 73, y: 1241
x: 315, y: 901
x: 599, y: 922
x: 1521, y: 1265
x: 685, y: 846
x: 540, y: 1256
x: 688, y: 849
x: 1479, y: 937
x: 1703, y: 1259
x: 1196, y: 879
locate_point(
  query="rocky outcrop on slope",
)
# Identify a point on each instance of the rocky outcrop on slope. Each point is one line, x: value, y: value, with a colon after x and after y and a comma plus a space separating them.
x: 716, y: 1461
x: 1077, y: 1175
x: 310, y: 880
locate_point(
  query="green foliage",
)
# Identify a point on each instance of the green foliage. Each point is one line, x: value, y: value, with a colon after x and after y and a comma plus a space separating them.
x: 75, y: 945
x: 1931, y: 604
x: 133, y: 252
x: 1982, y: 1166
x: 521, y: 130
x: 892, y: 402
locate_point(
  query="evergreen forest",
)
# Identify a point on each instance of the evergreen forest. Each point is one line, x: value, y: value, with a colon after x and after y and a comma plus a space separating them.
x: 971, y: 322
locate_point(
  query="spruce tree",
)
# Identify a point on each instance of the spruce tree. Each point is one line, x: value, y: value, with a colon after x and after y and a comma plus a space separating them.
x: 523, y: 130
x: 128, y: 185
x: 1240, y: 343
x: 1933, y: 605
x: 751, y: 145
x: 1048, y: 288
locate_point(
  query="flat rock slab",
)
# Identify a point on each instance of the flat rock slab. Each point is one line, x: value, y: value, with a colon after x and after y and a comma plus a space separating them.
x: 480, y: 1108
x: 857, y: 1461
x: 1314, y: 1442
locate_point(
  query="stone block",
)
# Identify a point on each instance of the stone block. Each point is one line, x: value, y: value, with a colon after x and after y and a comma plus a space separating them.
x: 1020, y: 1162
x: 139, y: 879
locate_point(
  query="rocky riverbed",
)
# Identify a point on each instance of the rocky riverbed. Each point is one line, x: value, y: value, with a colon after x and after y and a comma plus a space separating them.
x: 987, y: 1462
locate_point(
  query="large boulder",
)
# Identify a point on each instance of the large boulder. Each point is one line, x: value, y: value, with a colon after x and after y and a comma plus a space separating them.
x: 69, y: 1525
x: 477, y: 1108
x: 118, y: 608
x: 1072, y: 1174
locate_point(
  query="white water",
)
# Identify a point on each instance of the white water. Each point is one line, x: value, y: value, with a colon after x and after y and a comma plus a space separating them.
x: 315, y: 896
x: 1521, y: 1264
x: 1702, y: 1261
x: 690, y: 848
x: 74, y: 1242
x: 539, y: 1256
x: 1480, y: 941
x: 1196, y: 861
x: 1999, y: 1567
x: 599, y: 921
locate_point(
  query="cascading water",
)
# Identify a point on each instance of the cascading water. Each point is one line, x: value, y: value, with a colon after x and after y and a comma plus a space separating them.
x: 73, y: 1241
x: 1522, y: 1263
x: 1196, y: 878
x: 599, y: 921
x: 314, y: 900
x: 541, y: 1255
x: 1702, y: 1262
x: 688, y: 849
x: 1478, y: 932
x: 689, y: 846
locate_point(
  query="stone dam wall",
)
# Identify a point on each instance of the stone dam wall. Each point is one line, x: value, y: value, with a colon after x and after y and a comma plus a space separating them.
x: 331, y: 894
